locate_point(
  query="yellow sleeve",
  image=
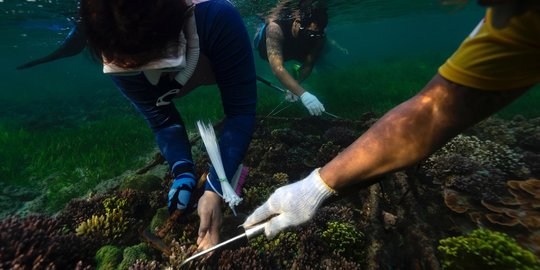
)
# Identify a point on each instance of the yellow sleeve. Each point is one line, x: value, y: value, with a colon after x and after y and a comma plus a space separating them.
x: 498, y: 59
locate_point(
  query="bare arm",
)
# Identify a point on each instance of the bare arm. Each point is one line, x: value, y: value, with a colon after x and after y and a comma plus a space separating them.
x: 274, y: 41
x: 413, y: 130
x: 311, y: 58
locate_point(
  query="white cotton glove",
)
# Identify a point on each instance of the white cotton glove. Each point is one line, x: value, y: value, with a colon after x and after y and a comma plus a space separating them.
x: 293, y: 204
x: 311, y: 102
x: 290, y: 97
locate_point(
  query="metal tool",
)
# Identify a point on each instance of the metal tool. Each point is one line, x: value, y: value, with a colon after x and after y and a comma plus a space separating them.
x: 275, y: 87
x: 267, y: 82
x: 249, y: 233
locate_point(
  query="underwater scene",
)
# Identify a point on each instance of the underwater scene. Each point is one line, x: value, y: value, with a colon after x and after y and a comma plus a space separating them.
x: 86, y: 184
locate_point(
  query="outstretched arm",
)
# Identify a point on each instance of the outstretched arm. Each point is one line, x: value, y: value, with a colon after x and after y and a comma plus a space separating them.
x: 311, y: 58
x: 72, y: 45
x: 413, y: 130
x: 405, y: 135
x: 274, y: 45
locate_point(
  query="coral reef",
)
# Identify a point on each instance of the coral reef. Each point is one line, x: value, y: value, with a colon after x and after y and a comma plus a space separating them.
x: 243, y: 258
x: 460, y: 171
x: 133, y: 253
x: 485, y: 249
x: 518, y: 212
x: 145, y: 265
x: 108, y: 257
x: 456, y: 202
x: 181, y: 252
x: 159, y: 219
x: 79, y: 210
x: 532, y: 160
x: 141, y: 182
x: 109, y: 226
x: 314, y: 254
x: 324, y: 154
x: 394, y: 224
x: 280, y: 251
x: 344, y: 239
x: 483, y: 152
x: 341, y: 136
x: 40, y: 242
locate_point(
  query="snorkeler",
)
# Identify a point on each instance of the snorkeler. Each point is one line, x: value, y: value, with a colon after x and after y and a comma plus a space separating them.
x: 73, y: 44
x: 294, y: 34
x: 496, y: 64
x: 161, y: 49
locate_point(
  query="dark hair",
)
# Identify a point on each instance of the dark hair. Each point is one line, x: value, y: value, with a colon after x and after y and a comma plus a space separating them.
x: 132, y: 33
x: 317, y: 15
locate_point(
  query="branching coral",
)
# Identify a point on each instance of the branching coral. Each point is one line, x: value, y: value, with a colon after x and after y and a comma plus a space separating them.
x: 287, y: 136
x: 344, y: 239
x: 79, y: 210
x: 485, y: 249
x: 40, y: 242
x: 145, y: 265
x: 485, y: 153
x: 280, y: 178
x: 311, y: 252
x: 463, y: 174
x: 109, y: 226
x: 335, y: 213
x: 341, y: 136
x: 180, y: 252
x: 325, y: 153
x: 281, y: 250
x: 314, y: 253
x: 243, y: 258
x: 255, y: 195
x: 496, y: 130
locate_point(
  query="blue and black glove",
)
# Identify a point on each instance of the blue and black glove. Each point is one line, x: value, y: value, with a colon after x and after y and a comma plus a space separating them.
x: 181, y: 190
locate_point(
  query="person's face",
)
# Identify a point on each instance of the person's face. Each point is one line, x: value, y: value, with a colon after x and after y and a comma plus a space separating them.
x: 308, y: 32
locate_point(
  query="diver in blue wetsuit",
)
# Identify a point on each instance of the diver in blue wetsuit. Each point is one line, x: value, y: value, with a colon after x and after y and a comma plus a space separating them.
x: 74, y: 43
x: 161, y: 49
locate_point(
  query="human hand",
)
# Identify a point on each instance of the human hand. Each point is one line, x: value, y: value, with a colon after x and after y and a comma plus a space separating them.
x: 180, y: 193
x: 290, y: 97
x: 293, y: 204
x: 211, y: 218
x: 311, y: 102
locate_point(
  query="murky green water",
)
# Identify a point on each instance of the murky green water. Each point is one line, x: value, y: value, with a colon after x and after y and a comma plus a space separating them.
x: 64, y: 127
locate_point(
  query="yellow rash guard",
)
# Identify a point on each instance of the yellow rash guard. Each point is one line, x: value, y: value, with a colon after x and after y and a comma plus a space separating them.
x: 498, y: 59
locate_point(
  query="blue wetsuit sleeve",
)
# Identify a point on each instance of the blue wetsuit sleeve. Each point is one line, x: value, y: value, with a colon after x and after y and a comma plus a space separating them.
x: 165, y: 120
x: 225, y: 41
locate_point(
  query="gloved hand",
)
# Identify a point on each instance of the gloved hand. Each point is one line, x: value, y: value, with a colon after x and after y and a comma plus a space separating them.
x: 293, y: 204
x: 180, y: 193
x: 290, y: 97
x: 311, y: 102
x: 209, y: 210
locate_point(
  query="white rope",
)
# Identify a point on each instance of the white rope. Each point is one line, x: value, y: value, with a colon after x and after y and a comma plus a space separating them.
x: 210, y: 142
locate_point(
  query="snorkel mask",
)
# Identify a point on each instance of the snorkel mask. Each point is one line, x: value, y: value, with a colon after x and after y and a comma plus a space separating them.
x: 185, y: 61
x: 313, y: 15
x: 307, y: 34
